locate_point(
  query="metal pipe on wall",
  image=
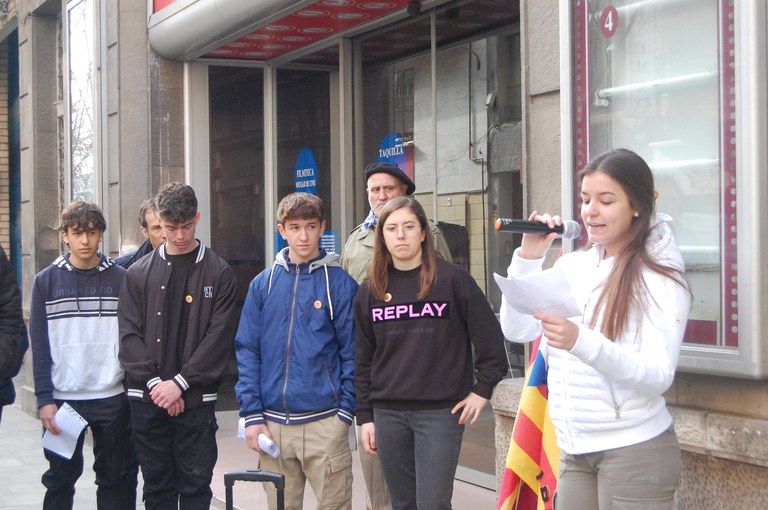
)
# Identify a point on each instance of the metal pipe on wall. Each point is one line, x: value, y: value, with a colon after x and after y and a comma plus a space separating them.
x: 433, y: 67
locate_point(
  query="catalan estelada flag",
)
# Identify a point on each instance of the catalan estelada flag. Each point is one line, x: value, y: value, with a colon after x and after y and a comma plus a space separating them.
x: 530, y: 476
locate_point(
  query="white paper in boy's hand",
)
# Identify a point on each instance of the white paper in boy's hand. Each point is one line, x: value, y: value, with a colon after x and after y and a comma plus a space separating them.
x: 547, y: 291
x: 71, y: 425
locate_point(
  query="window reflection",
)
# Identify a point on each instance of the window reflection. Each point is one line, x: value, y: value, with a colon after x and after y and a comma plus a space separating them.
x: 304, y: 124
x: 81, y: 99
x: 476, y: 148
x: 657, y: 85
x: 237, y: 183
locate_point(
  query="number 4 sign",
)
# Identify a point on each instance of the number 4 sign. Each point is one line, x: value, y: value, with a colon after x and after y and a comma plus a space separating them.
x: 609, y: 21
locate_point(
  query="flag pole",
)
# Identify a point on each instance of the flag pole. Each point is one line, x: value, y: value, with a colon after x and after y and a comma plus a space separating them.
x: 517, y: 498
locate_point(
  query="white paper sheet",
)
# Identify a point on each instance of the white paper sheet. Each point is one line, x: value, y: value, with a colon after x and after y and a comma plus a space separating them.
x: 547, y: 291
x: 71, y: 425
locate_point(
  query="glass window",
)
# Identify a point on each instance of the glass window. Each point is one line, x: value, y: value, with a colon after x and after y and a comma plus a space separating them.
x: 658, y: 78
x: 397, y: 109
x: 82, y: 93
x: 403, y: 102
x: 476, y: 145
x: 304, y: 141
x: 237, y: 181
x: 503, y: 103
x: 441, y: 130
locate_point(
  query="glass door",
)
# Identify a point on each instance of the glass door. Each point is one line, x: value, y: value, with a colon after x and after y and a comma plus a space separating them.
x: 304, y: 142
x: 236, y: 101
x: 433, y: 114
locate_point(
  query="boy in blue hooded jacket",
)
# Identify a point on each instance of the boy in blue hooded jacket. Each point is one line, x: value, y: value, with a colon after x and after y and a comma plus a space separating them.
x: 295, y: 349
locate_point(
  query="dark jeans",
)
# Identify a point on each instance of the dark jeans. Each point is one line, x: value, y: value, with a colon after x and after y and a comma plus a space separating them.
x: 419, y: 452
x: 131, y: 473
x: 108, y: 421
x: 176, y: 454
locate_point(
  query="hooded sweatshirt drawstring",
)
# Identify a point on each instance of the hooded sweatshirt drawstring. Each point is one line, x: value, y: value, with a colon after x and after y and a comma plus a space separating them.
x: 98, y: 288
x: 280, y: 261
x: 75, y: 271
x: 328, y: 290
x: 77, y: 287
x: 271, y: 274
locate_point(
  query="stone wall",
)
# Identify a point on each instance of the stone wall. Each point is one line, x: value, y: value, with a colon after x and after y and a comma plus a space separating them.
x: 145, y: 120
x: 725, y: 457
x: 142, y: 123
x: 41, y: 182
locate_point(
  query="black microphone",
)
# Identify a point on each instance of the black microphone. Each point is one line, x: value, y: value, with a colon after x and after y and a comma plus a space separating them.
x: 569, y: 229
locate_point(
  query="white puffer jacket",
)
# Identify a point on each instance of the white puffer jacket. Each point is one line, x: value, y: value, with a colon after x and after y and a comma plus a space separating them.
x: 606, y: 394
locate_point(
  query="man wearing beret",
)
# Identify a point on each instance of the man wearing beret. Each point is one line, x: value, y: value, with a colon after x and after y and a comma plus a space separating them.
x: 384, y: 182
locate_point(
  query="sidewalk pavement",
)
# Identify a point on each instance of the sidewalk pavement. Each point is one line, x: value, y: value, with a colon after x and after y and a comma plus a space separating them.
x: 22, y: 464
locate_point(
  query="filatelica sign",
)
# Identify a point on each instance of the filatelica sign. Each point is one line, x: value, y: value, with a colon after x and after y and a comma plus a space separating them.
x: 306, y: 171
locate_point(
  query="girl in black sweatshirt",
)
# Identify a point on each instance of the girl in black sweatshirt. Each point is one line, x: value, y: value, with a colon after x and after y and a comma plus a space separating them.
x: 417, y: 320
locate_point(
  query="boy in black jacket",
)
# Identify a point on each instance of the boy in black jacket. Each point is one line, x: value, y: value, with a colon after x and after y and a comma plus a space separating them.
x: 177, y: 325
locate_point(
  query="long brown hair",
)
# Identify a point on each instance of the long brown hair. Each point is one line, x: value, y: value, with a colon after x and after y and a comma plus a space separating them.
x: 625, y: 289
x: 378, y: 271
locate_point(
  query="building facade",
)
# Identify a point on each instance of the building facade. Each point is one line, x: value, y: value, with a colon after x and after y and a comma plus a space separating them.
x: 683, y: 84
x: 489, y: 105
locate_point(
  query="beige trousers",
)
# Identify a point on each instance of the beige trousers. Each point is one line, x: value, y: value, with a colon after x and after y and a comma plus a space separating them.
x: 317, y: 451
x: 376, y: 491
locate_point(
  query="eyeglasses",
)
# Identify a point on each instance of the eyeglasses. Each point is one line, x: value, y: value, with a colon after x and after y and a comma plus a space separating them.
x: 408, y: 228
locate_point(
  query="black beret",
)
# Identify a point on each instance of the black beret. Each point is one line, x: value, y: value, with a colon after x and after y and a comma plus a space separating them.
x: 387, y: 168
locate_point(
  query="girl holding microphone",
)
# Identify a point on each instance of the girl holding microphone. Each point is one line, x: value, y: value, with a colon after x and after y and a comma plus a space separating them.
x: 609, y: 368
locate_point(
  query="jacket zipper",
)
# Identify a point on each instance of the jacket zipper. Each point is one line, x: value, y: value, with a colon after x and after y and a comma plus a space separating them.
x: 616, y: 406
x: 288, y: 347
x: 566, y: 398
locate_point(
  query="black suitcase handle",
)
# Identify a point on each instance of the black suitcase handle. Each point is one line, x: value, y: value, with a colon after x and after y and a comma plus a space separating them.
x: 255, y: 476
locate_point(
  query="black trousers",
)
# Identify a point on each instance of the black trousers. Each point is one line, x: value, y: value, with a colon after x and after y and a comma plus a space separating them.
x: 108, y: 420
x: 176, y: 454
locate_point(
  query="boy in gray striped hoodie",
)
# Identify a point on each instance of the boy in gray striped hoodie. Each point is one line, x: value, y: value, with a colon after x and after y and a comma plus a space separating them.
x: 74, y: 333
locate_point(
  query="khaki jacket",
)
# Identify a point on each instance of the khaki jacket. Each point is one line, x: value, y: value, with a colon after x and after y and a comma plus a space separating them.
x: 358, y: 250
